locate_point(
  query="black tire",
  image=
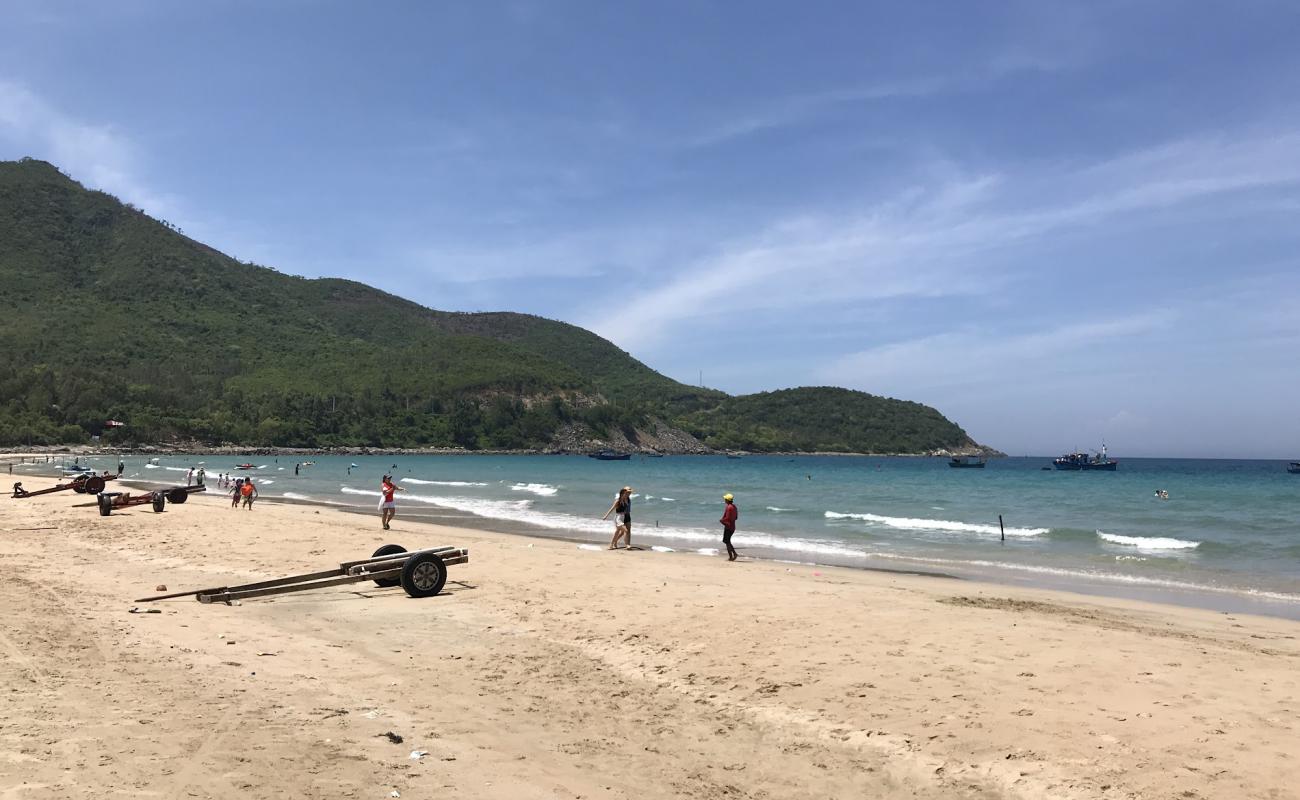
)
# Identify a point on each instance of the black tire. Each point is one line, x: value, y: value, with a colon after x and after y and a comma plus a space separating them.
x: 388, y: 550
x: 424, y: 575
x: 159, y: 501
x: 177, y: 495
x: 93, y: 485
x: 79, y: 487
x: 105, y: 505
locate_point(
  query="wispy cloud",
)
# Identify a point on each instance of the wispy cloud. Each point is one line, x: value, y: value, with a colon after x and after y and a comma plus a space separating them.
x: 972, y: 354
x: 98, y: 155
x: 936, y: 240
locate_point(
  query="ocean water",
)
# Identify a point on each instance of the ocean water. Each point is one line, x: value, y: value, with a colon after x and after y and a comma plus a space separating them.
x: 1227, y: 538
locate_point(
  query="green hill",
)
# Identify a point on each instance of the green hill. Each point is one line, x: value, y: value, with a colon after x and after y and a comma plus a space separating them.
x: 111, y: 314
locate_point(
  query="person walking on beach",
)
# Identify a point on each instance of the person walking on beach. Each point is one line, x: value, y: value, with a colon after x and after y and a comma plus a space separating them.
x: 387, y: 503
x: 235, y: 493
x: 729, y: 516
x: 622, y: 511
x: 249, y: 492
x: 189, y: 477
x: 201, y: 475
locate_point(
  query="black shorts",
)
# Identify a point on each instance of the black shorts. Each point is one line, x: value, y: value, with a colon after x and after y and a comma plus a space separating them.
x: 627, y: 519
x: 726, y: 533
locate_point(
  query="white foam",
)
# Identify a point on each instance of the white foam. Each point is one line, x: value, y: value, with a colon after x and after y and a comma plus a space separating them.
x: 669, y: 499
x: 590, y: 547
x: 523, y: 511
x: 296, y: 496
x: 172, y: 469
x: 266, y: 481
x: 707, y: 551
x: 776, y: 510
x: 545, y: 490
x: 914, y: 524
x: 661, y: 549
x: 440, y: 483
x: 1148, y: 542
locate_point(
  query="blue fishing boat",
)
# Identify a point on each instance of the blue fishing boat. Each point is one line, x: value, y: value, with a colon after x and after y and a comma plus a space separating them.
x: 1085, y: 462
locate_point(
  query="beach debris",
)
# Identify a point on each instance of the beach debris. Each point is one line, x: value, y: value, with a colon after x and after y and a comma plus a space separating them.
x: 138, y: 610
x: 268, y: 654
x: 394, y: 793
x: 421, y: 573
x: 162, y: 587
x: 392, y: 737
x: 416, y: 755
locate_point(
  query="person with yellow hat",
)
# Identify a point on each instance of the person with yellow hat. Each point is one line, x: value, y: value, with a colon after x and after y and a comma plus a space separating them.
x: 729, y: 516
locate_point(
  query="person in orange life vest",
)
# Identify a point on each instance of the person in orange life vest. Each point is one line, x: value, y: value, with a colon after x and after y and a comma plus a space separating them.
x: 387, y: 505
x: 249, y: 492
x: 729, y: 516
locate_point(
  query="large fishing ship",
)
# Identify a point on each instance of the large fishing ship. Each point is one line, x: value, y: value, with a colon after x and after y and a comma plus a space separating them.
x: 1084, y: 461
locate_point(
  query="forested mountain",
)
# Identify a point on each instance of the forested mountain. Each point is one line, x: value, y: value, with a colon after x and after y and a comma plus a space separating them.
x: 112, y: 315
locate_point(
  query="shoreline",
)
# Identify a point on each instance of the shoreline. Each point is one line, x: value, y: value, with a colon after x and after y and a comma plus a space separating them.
x: 542, y: 658
x: 1181, y: 594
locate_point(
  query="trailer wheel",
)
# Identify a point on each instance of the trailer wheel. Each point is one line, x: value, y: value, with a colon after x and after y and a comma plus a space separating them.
x: 105, y: 505
x: 93, y: 485
x: 79, y: 487
x: 177, y: 495
x: 388, y: 550
x: 424, y: 575
x: 159, y: 501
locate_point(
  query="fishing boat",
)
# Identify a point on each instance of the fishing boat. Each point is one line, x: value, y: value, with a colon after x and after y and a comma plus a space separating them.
x: 609, y: 455
x: 245, y: 466
x: 1294, y: 468
x: 1085, y: 462
x: 967, y: 462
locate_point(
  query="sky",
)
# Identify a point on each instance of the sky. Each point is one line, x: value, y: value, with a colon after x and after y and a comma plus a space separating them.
x: 1061, y: 224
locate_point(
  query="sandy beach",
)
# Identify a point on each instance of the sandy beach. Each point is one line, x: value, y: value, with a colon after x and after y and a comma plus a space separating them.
x: 549, y: 670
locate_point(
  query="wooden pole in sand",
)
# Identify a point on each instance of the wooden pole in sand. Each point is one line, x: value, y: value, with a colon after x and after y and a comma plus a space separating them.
x: 1003, y: 529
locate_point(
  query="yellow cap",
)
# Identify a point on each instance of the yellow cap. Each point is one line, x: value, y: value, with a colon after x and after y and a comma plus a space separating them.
x: 726, y: 496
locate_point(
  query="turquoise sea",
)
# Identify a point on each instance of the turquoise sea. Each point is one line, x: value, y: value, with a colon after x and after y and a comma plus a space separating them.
x: 1227, y: 538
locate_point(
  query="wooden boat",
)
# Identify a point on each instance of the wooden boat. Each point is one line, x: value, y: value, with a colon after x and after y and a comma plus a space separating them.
x: 968, y: 462
x: 610, y: 455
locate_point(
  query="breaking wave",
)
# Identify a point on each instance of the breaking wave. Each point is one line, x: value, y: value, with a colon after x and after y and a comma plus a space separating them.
x: 915, y: 524
x: 1148, y: 542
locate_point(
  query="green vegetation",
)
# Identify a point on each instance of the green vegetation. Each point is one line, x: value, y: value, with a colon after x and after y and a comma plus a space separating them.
x: 110, y: 314
x: 825, y: 419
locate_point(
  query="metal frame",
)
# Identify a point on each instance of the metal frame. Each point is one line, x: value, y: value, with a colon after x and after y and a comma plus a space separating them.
x: 376, y: 568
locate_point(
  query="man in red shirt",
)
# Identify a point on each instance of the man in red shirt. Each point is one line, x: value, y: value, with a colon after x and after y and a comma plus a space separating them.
x: 729, y: 515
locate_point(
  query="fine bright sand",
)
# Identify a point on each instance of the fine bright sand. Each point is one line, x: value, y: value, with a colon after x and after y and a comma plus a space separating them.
x: 550, y: 671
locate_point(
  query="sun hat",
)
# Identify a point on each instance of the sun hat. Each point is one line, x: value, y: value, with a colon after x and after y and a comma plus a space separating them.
x: 727, y: 496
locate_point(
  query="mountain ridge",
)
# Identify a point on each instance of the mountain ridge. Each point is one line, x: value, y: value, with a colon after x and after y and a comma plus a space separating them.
x: 116, y: 315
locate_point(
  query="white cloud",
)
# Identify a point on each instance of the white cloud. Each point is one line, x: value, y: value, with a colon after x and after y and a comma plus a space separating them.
x: 959, y: 236
x: 974, y: 355
x: 97, y: 155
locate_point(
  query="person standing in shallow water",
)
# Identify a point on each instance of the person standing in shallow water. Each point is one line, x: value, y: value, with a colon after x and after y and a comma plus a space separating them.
x: 729, y: 516
x: 622, y: 511
x: 387, y: 503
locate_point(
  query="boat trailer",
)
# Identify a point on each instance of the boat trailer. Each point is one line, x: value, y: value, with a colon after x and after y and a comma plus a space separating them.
x: 422, y: 573
x: 85, y: 484
x: 159, y: 498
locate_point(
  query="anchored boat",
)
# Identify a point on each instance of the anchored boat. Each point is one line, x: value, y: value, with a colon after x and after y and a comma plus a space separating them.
x: 1085, y: 462
x: 967, y: 462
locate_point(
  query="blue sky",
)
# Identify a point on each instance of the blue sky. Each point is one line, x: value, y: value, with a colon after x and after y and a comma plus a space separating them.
x: 1057, y: 223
